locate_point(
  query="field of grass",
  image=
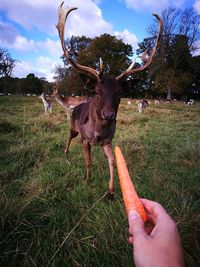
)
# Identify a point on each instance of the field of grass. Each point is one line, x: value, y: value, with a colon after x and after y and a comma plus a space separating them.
x: 51, y: 216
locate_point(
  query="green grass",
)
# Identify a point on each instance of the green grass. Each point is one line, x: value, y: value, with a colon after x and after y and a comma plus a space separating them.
x: 43, y: 195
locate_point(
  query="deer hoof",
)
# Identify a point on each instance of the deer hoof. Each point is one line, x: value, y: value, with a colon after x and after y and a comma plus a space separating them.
x: 87, y: 177
x: 111, y: 195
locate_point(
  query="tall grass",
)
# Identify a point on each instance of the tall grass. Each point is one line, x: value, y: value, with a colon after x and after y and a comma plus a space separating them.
x: 51, y: 216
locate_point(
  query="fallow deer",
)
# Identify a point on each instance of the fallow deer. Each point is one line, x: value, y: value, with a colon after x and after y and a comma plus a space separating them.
x: 142, y: 104
x: 191, y: 102
x: 68, y: 102
x: 156, y: 102
x: 95, y: 120
x: 129, y: 102
x: 47, y: 103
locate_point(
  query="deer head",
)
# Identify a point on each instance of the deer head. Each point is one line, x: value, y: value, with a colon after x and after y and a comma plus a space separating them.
x: 56, y: 93
x: 107, y: 98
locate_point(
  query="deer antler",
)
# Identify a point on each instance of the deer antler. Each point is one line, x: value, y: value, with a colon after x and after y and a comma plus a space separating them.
x: 145, y: 60
x: 73, y: 51
x: 62, y: 15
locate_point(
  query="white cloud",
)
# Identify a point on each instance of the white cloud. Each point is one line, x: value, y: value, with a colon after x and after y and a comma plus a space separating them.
x: 152, y: 5
x: 7, y: 32
x: 23, y: 68
x: 30, y: 14
x: 197, y: 48
x: 87, y: 20
x: 197, y: 6
x: 42, y: 15
x: 42, y: 67
x: 21, y: 43
x: 128, y: 38
x: 50, y: 47
x: 44, y: 61
x: 47, y: 65
x: 42, y: 56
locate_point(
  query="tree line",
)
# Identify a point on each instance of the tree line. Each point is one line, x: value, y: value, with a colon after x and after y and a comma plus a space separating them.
x: 174, y: 72
x: 25, y: 86
x: 28, y: 85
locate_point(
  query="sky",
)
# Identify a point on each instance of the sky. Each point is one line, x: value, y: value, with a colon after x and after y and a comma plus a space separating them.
x: 28, y: 32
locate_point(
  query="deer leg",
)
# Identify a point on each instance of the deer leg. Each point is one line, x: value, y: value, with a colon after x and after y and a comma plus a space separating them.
x: 72, y: 135
x: 108, y: 151
x: 87, y: 155
x: 45, y: 109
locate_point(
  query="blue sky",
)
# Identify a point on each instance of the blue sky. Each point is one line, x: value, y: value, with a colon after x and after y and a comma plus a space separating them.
x: 27, y: 27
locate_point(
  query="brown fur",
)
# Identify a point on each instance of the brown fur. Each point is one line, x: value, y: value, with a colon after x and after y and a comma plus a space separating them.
x: 69, y: 101
x: 95, y: 121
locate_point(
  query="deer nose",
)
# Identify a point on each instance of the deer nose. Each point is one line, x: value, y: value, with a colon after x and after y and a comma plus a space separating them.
x: 108, y: 115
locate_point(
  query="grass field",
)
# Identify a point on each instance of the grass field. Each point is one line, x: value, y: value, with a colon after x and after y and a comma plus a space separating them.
x: 50, y: 216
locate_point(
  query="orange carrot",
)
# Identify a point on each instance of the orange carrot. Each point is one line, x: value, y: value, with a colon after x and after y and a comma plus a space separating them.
x: 130, y: 196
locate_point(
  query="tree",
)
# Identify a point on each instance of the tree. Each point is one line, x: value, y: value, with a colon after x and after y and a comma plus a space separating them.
x: 175, y: 76
x: 46, y: 86
x: 114, y: 52
x: 32, y: 84
x: 171, y: 69
x: 195, y: 88
x: 7, y: 64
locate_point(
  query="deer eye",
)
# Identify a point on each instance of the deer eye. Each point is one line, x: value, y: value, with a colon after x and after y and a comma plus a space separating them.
x: 98, y: 97
x: 98, y: 92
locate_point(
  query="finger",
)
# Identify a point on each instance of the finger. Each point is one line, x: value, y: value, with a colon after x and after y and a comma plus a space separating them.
x: 157, y: 213
x: 152, y: 206
x: 136, y: 224
x: 130, y: 240
x: 130, y: 231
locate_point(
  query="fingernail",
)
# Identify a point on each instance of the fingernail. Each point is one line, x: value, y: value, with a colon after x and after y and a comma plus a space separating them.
x: 133, y: 215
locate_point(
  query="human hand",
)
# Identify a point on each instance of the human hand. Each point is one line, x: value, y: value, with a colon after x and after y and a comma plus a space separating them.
x: 158, y: 245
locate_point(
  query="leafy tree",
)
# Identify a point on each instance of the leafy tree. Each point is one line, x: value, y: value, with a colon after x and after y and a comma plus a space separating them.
x: 171, y: 70
x: 114, y: 53
x: 7, y: 64
x: 32, y: 84
x: 69, y: 80
x: 195, y: 88
x: 175, y: 74
x: 46, y: 86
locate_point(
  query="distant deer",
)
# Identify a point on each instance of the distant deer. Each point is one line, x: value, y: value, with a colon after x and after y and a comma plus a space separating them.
x: 129, y: 102
x: 156, y: 101
x: 69, y: 102
x: 95, y: 120
x: 47, y: 104
x: 142, y: 104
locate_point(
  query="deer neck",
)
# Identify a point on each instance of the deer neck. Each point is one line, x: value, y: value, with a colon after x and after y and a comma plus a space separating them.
x: 44, y: 101
x: 61, y: 101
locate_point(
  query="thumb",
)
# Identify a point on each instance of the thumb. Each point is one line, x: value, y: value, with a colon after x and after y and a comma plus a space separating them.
x: 136, y: 224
